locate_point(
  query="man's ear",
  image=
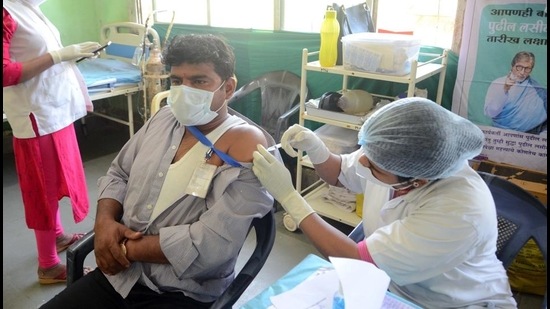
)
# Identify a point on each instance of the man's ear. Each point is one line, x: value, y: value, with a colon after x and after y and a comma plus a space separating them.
x: 230, y: 87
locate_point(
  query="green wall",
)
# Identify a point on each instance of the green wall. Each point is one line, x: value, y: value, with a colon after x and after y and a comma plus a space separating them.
x: 85, y: 17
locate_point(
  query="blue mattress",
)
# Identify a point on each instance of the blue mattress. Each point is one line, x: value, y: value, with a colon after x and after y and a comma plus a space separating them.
x: 102, y: 74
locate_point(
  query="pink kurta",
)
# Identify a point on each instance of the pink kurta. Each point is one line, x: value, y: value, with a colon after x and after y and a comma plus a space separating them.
x: 49, y: 168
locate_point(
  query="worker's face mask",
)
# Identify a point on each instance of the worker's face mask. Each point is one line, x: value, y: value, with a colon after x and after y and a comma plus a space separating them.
x: 191, y: 106
x: 365, y: 173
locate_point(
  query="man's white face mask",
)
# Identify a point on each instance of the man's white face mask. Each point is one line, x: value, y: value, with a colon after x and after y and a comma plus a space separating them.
x: 191, y: 106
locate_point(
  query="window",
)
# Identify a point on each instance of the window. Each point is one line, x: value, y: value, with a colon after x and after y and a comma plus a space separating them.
x: 215, y: 13
x: 429, y: 20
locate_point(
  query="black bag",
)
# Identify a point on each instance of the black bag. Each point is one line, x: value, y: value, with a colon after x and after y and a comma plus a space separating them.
x: 329, y: 101
x: 353, y: 19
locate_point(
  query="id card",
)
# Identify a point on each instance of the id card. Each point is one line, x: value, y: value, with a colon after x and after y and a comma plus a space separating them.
x: 200, y: 180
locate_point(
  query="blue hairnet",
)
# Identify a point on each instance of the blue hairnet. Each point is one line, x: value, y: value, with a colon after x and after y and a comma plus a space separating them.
x: 415, y: 137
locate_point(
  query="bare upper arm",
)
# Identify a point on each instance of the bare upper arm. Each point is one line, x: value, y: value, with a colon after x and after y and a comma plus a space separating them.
x: 242, y: 141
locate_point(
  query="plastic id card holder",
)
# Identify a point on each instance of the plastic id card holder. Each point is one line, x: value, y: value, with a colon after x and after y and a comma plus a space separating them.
x: 201, y: 179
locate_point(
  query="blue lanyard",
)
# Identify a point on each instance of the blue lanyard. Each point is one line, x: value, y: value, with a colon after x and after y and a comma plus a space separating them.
x: 225, y: 157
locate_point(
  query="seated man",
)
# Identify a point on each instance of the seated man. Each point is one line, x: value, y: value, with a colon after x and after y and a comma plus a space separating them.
x: 174, y: 212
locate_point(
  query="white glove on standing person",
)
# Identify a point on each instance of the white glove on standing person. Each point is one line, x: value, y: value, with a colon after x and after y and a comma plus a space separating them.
x: 276, y: 178
x: 306, y: 140
x: 75, y: 51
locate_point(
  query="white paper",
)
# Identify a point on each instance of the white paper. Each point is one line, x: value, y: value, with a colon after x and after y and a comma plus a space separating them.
x: 317, y: 292
x: 364, y: 285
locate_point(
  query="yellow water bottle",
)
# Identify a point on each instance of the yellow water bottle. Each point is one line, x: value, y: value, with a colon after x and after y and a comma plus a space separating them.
x: 330, y: 30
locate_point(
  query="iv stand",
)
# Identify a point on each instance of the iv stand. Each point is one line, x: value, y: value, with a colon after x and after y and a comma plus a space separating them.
x: 152, y: 81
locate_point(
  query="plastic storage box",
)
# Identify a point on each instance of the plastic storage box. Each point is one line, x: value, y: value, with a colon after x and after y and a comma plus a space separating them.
x: 384, y: 53
x: 338, y: 140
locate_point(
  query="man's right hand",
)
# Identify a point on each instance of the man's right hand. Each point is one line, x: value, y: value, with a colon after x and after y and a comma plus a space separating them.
x: 75, y: 51
x: 306, y: 140
x: 109, y: 254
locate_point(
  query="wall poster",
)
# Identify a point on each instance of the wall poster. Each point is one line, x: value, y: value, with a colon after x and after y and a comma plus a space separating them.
x: 501, y: 82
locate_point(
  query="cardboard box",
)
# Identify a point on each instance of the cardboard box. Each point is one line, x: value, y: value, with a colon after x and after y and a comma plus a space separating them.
x: 532, y: 181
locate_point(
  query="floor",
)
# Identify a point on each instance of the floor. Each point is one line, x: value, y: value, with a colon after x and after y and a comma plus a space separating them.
x: 20, y: 287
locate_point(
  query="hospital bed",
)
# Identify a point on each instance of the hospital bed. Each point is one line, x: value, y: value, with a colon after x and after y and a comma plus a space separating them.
x: 112, y: 74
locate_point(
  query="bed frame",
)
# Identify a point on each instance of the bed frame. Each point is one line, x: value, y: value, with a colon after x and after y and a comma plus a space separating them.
x: 125, y: 37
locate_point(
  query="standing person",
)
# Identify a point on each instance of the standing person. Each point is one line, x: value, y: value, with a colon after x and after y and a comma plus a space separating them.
x: 429, y: 219
x: 516, y: 101
x: 163, y: 237
x: 44, y: 94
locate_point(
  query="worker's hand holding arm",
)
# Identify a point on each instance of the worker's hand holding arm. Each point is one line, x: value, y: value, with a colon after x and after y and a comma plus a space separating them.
x: 276, y: 178
x: 75, y: 51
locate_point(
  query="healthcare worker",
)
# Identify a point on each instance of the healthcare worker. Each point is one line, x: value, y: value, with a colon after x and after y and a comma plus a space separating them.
x: 429, y: 219
x: 44, y: 94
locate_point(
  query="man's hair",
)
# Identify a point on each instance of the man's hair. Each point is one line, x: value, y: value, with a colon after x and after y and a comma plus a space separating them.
x: 524, y: 55
x: 197, y: 49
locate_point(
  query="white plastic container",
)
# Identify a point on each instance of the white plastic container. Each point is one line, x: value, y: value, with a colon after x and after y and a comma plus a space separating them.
x: 384, y: 53
x: 338, y: 140
x: 355, y: 101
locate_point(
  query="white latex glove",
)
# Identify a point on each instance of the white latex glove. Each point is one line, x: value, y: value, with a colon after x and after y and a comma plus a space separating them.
x: 75, y: 51
x: 306, y: 140
x: 276, y: 178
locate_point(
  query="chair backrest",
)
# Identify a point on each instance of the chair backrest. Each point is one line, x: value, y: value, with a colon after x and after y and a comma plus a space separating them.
x: 265, y: 238
x: 280, y: 94
x: 157, y: 100
x: 357, y: 234
x: 521, y: 217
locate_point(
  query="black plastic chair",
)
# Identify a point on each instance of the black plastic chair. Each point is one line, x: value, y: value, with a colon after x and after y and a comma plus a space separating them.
x: 357, y: 234
x: 521, y: 216
x: 280, y: 93
x: 265, y: 238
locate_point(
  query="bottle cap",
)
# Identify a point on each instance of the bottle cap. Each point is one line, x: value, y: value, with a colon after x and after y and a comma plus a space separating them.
x: 330, y: 13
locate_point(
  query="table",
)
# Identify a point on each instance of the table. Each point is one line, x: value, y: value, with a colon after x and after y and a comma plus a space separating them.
x: 308, y: 266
